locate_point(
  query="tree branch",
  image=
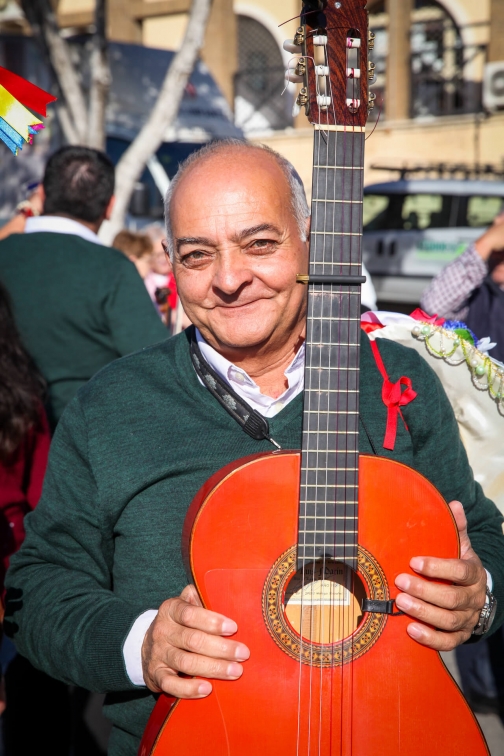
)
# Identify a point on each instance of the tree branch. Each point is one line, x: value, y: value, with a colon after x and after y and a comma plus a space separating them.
x: 43, y: 22
x: 100, y: 81
x: 132, y: 163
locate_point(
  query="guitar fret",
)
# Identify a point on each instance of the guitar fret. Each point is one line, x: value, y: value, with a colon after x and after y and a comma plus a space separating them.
x: 331, y: 412
x: 336, y: 233
x: 343, y: 201
x: 342, y: 167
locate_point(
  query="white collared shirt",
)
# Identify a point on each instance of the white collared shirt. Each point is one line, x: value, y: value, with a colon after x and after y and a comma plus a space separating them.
x: 55, y: 224
x: 247, y: 388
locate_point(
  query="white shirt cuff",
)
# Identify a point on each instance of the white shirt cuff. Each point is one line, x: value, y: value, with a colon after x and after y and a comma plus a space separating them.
x: 132, y: 649
x: 489, y: 581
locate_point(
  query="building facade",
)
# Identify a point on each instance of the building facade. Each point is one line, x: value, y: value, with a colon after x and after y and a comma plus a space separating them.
x: 430, y: 61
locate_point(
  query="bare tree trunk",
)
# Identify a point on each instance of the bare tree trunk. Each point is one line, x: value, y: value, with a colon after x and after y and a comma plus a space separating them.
x: 43, y: 22
x: 100, y: 81
x: 163, y: 114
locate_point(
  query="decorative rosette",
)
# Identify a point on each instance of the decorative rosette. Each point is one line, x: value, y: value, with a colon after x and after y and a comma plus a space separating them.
x: 17, y: 124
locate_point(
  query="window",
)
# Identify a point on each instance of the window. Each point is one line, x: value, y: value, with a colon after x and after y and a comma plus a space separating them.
x: 482, y: 210
x: 259, y: 82
x: 408, y: 212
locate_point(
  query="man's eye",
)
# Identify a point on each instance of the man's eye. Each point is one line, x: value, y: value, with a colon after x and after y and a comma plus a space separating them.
x: 194, y: 258
x: 263, y: 244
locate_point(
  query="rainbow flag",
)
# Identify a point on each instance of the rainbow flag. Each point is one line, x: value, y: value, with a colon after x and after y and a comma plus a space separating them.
x: 17, y: 124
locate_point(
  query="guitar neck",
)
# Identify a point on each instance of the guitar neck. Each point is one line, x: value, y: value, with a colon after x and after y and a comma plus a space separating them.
x: 329, y: 471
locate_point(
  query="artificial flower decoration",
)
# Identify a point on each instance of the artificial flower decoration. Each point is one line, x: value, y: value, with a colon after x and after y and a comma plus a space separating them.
x: 17, y: 124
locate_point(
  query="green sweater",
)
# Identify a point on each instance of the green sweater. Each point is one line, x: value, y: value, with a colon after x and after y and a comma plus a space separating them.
x: 130, y: 453
x: 78, y: 306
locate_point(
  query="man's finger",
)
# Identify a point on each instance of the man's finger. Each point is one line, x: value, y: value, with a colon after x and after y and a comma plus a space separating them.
x: 448, y: 620
x: 460, y: 571
x: 436, y: 639
x: 458, y: 513
x: 199, y: 618
x: 182, y: 687
x: 191, y: 595
x: 454, y: 597
x: 197, y: 665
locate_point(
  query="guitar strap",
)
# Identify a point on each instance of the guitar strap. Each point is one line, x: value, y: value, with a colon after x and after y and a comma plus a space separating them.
x: 250, y: 420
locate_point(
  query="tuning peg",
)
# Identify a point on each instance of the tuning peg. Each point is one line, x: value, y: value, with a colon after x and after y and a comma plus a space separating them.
x: 302, y: 97
x: 371, y: 70
x: 296, y: 109
x: 371, y: 39
x: 296, y: 71
x: 353, y: 42
x: 371, y: 102
x: 323, y: 100
x: 289, y: 46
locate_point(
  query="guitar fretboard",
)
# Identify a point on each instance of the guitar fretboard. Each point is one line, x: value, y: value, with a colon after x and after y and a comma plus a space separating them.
x: 329, y: 469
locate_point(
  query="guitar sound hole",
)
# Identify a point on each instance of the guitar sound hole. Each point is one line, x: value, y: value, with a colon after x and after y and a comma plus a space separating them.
x: 322, y: 603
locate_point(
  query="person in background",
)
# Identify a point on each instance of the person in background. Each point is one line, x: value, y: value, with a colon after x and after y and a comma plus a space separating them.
x: 24, y: 435
x: 471, y: 288
x: 78, y: 305
x: 24, y: 448
x: 138, y: 248
x: 28, y: 208
x: 160, y: 282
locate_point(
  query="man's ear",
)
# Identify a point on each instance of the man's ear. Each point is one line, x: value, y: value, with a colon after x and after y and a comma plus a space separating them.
x: 109, y: 208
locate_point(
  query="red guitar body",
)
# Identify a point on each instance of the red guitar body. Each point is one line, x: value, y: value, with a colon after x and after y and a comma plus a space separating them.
x: 377, y: 692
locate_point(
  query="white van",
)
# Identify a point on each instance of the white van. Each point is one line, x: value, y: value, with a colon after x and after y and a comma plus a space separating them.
x: 413, y: 228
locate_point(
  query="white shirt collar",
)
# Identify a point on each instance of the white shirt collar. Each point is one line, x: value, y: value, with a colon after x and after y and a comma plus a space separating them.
x: 248, y: 389
x: 54, y: 224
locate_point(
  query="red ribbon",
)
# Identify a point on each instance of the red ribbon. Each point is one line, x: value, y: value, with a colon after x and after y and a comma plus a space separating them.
x: 393, y: 398
x: 28, y: 94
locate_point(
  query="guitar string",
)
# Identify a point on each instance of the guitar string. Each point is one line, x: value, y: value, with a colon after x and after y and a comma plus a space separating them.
x: 311, y: 306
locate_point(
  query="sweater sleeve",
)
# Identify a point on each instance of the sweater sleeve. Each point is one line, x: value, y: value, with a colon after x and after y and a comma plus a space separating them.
x: 131, y: 315
x: 440, y: 456
x: 449, y: 291
x: 61, y: 611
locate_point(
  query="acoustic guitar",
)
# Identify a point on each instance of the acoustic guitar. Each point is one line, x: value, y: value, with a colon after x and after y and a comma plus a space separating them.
x: 302, y: 549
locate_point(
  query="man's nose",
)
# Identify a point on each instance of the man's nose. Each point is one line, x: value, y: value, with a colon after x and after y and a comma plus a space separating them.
x: 231, y: 273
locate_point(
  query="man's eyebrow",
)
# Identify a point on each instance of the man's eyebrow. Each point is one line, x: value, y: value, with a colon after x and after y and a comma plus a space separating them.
x: 194, y: 240
x: 256, y: 230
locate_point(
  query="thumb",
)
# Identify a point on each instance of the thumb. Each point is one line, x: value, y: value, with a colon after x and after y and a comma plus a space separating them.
x: 458, y: 513
x: 191, y: 595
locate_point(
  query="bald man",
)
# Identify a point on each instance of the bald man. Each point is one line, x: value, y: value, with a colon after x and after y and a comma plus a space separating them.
x: 98, y: 594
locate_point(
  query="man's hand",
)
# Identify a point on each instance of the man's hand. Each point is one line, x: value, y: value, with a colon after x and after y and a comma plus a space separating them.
x: 185, y: 637
x: 447, y: 614
x: 492, y: 240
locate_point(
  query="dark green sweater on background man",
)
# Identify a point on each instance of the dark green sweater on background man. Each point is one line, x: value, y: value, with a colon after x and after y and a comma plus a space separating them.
x: 78, y: 306
x: 129, y: 454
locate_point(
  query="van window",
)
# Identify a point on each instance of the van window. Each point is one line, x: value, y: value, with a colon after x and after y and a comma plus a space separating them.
x: 421, y: 211
x: 375, y: 211
x: 482, y: 210
x: 407, y: 212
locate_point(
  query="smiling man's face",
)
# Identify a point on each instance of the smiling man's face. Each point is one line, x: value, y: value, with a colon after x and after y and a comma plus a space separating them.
x: 237, y: 252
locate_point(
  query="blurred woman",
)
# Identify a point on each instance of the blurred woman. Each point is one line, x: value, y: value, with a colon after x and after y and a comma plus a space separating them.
x: 24, y: 435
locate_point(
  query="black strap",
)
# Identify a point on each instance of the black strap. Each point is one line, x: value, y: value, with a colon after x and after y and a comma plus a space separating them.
x: 380, y: 607
x: 250, y: 420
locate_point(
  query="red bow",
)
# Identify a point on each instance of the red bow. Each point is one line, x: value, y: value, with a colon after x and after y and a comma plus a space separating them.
x: 393, y: 398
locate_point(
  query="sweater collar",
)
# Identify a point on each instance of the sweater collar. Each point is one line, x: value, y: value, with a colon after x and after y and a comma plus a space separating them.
x: 55, y: 224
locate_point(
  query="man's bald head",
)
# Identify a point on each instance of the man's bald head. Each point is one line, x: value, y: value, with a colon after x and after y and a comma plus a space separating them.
x: 232, y: 148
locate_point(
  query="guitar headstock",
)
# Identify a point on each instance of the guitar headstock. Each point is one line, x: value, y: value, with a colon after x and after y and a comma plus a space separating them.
x: 333, y: 67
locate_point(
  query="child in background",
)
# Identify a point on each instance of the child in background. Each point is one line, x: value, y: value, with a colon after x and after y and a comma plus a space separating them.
x: 137, y: 248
